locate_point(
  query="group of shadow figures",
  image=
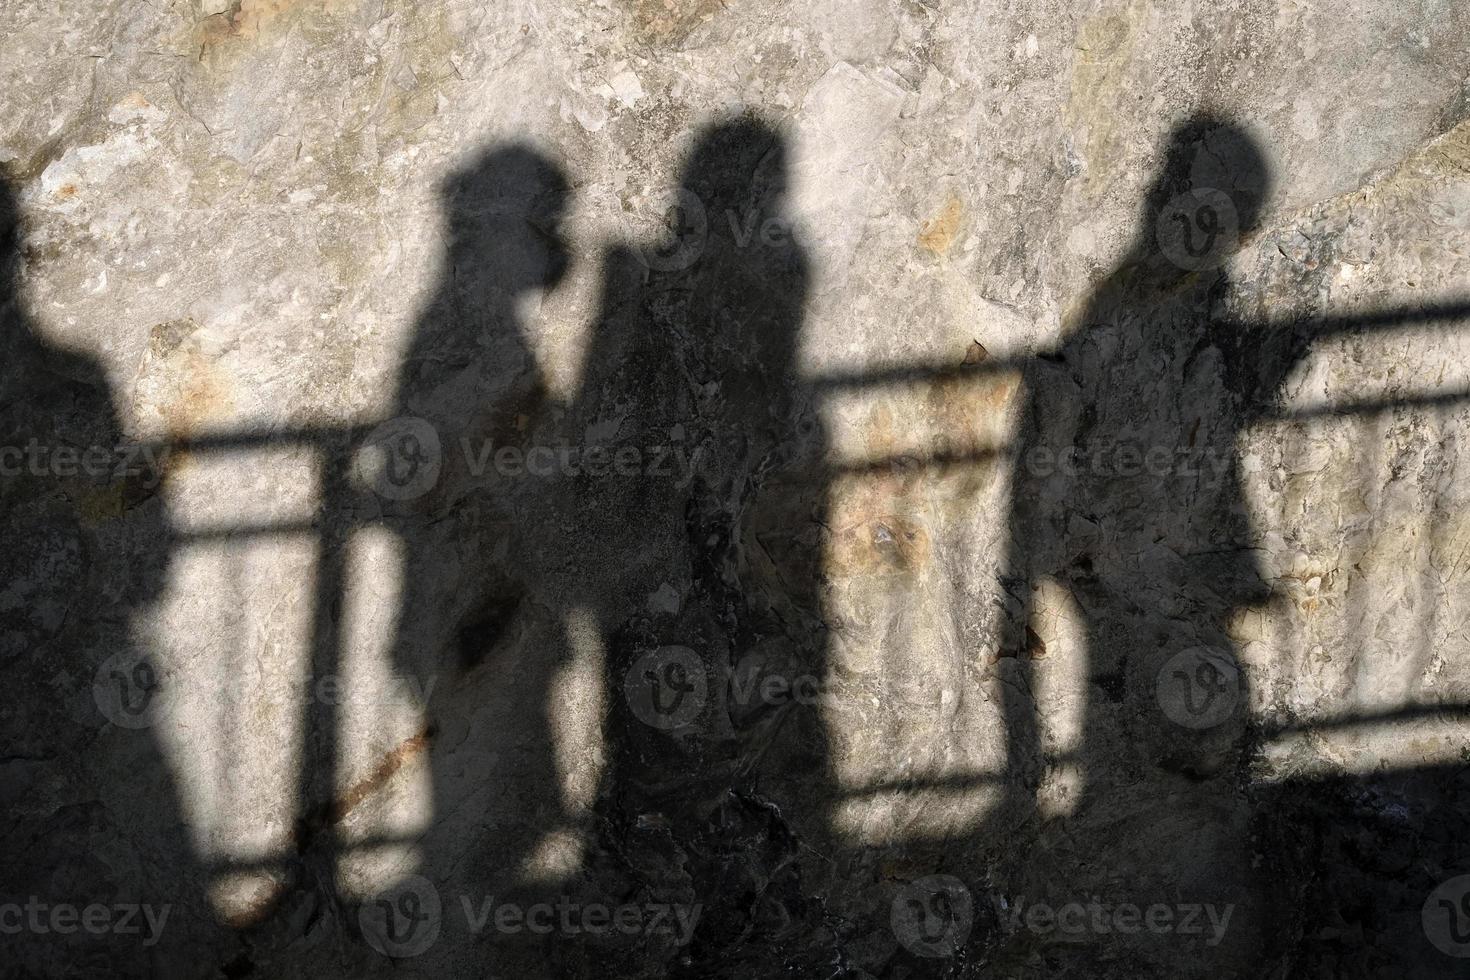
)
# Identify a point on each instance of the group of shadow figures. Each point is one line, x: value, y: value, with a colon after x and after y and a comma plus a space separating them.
x: 506, y: 577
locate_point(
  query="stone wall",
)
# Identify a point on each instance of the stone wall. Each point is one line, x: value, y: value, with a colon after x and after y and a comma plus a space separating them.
x: 1028, y: 439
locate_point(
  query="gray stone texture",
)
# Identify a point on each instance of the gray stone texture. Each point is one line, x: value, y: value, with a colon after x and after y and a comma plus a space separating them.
x: 877, y: 298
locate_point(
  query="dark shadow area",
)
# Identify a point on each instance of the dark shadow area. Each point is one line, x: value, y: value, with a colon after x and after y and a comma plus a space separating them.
x: 1127, y: 496
x: 487, y: 544
x: 482, y: 553
x: 664, y: 527
x: 661, y: 526
x: 1370, y: 869
x: 470, y: 583
x: 714, y: 794
x: 94, y: 839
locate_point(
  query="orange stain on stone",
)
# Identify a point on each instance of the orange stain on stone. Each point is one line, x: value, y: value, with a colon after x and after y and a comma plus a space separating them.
x: 246, y: 19
x: 671, y: 21
x: 384, y: 771
x: 938, y: 234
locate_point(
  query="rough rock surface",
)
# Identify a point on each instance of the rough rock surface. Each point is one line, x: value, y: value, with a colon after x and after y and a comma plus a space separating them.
x: 864, y: 488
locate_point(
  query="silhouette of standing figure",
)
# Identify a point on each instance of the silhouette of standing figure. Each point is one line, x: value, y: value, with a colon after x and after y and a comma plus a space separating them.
x: 466, y: 630
x: 92, y: 810
x: 1128, y: 495
x: 701, y: 560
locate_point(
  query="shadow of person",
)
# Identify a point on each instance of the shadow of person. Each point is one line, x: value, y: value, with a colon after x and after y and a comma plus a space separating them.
x: 93, y: 813
x: 473, y: 630
x: 699, y: 546
x: 1127, y: 497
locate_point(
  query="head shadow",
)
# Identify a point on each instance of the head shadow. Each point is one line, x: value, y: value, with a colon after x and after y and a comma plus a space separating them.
x: 502, y: 217
x: 503, y: 213
x: 749, y: 279
x: 737, y: 167
x: 1207, y: 198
